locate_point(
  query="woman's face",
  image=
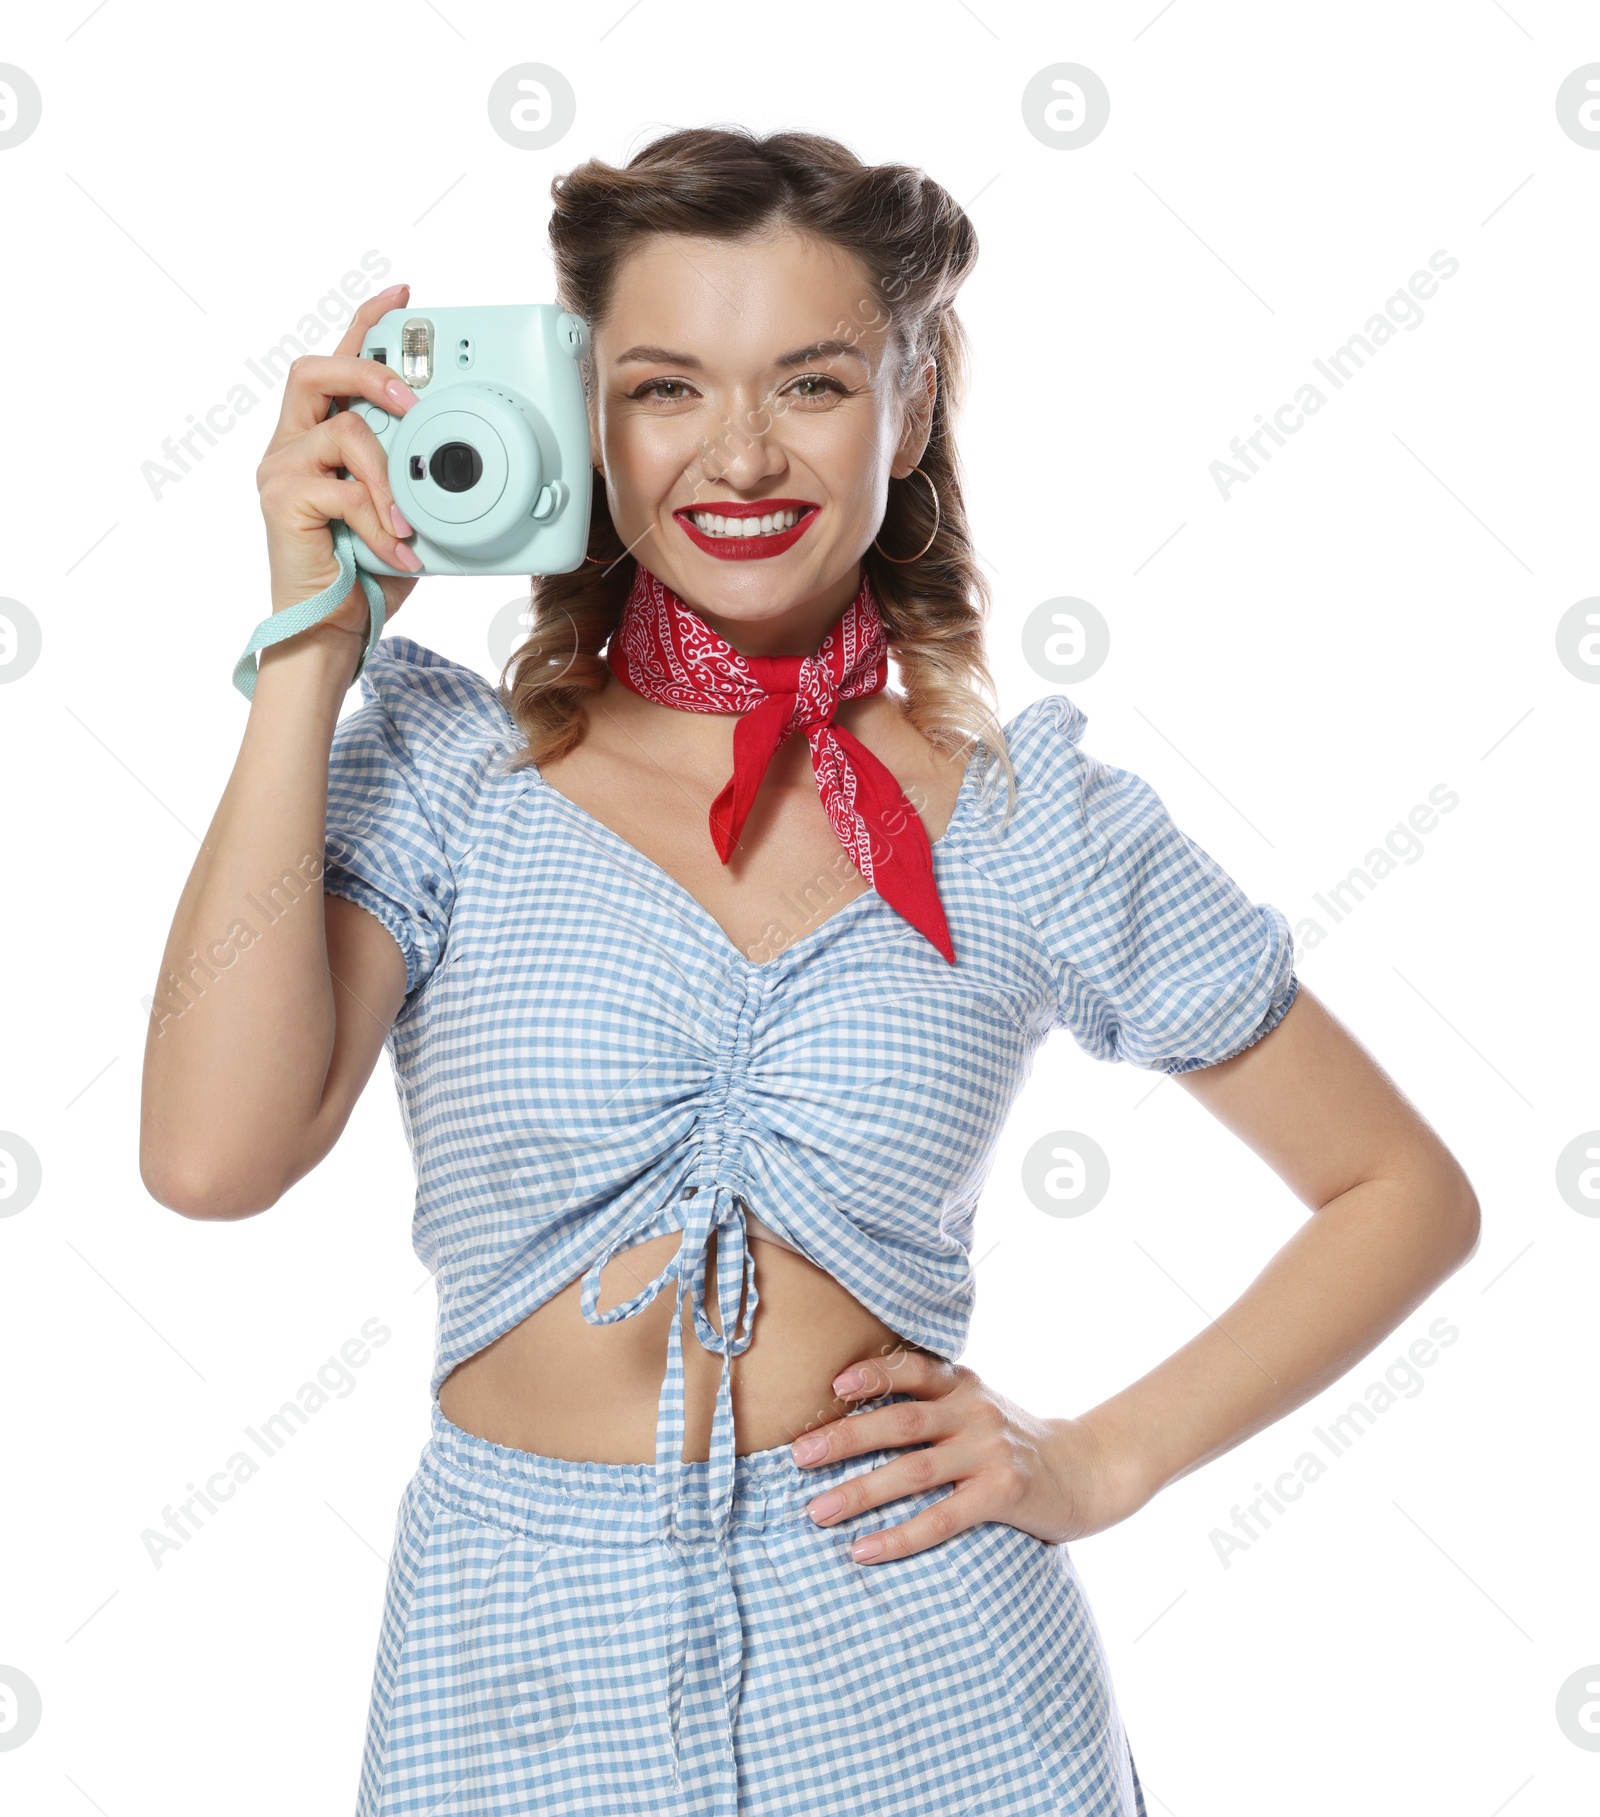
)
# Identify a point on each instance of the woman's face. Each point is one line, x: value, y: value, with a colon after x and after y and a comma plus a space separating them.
x: 751, y: 372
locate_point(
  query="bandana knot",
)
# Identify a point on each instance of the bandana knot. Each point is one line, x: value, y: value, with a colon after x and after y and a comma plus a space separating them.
x: 665, y: 651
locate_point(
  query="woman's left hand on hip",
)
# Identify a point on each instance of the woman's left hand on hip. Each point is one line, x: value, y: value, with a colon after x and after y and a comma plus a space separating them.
x: 1053, y: 1478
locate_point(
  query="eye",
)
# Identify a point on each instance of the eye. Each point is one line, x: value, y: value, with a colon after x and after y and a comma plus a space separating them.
x: 818, y: 378
x: 653, y: 388
x: 648, y: 389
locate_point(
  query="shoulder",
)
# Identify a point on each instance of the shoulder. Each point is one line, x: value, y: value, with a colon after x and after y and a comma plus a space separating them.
x: 428, y: 695
x: 429, y: 723
x: 1043, y: 741
x: 433, y: 708
x: 1160, y: 956
x: 1049, y: 817
x: 1044, y: 736
x: 1081, y: 832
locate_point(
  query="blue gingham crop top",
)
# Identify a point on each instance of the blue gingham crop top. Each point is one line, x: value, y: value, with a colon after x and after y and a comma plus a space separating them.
x: 584, y: 1059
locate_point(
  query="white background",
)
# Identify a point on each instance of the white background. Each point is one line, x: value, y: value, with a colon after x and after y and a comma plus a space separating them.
x: 1294, y: 669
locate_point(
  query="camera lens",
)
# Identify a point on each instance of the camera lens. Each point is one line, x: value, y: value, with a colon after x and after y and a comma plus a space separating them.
x: 456, y: 466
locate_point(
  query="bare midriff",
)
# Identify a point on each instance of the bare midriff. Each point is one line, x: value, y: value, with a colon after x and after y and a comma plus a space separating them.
x: 557, y: 1385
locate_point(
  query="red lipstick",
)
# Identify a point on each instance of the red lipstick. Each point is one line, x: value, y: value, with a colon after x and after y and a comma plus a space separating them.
x: 747, y: 548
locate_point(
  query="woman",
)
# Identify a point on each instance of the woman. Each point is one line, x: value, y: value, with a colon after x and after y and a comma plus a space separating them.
x: 709, y: 969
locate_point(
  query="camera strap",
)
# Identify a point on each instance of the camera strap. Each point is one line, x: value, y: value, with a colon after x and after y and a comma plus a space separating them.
x: 274, y: 628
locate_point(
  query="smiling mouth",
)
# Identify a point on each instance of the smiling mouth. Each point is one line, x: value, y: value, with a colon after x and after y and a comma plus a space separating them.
x: 734, y: 524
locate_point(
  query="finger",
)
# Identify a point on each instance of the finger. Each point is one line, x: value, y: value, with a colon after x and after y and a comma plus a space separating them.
x: 394, y: 297
x: 887, y: 1372
x: 951, y: 1514
x: 914, y: 1422
x: 906, y: 1371
x: 323, y: 499
x: 315, y: 379
x: 347, y: 441
x: 913, y: 1474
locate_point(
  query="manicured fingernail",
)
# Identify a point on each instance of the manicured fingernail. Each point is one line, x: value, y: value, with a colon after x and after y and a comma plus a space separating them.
x: 401, y: 527
x: 825, y: 1505
x: 866, y: 1548
x: 408, y: 557
x: 852, y: 1378
x: 401, y: 392
x: 389, y: 289
x: 808, y: 1449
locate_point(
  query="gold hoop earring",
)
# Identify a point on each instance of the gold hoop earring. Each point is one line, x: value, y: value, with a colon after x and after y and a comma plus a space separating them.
x: 929, y: 543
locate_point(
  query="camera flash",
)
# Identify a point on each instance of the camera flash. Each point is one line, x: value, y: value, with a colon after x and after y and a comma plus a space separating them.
x: 416, y: 352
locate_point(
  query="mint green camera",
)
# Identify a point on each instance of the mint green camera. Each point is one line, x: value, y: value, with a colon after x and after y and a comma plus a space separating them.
x: 491, y: 465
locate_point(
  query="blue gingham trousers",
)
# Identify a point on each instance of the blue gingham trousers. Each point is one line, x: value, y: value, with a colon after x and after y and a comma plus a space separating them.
x: 541, y: 1650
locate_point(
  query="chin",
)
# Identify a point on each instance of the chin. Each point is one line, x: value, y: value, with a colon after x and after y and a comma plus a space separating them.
x: 744, y: 590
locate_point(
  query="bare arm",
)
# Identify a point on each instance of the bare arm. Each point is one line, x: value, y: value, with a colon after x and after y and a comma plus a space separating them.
x: 1395, y: 1215
x: 273, y: 1002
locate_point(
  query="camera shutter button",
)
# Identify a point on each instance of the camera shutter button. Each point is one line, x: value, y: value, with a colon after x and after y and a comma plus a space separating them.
x: 377, y: 420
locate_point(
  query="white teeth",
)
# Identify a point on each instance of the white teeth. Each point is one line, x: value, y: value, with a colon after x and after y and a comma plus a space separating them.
x: 712, y: 523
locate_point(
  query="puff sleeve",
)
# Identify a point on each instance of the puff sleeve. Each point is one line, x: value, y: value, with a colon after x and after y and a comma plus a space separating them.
x: 1161, y: 958
x: 384, y: 851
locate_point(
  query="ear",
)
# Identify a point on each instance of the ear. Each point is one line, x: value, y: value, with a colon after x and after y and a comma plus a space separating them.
x: 919, y: 416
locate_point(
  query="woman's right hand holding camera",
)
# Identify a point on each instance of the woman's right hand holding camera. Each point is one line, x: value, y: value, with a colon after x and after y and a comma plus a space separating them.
x: 300, y: 489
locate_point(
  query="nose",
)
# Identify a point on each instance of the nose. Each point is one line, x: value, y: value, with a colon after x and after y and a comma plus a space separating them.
x: 747, y: 452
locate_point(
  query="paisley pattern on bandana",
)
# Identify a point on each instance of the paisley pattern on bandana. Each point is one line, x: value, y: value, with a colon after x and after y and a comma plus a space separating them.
x: 665, y: 651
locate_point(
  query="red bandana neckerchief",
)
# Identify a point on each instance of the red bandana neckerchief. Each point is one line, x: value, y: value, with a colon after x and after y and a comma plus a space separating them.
x: 665, y: 651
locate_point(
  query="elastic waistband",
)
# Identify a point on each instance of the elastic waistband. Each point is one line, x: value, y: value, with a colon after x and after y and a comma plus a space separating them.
x: 581, y: 1501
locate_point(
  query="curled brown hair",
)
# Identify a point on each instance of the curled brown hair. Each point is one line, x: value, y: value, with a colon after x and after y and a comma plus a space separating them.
x: 916, y: 246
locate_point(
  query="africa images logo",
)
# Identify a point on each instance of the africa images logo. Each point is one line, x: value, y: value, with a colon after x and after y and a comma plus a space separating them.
x: 1401, y: 310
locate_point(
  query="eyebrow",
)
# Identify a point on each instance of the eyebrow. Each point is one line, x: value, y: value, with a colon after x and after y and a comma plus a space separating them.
x: 665, y: 356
